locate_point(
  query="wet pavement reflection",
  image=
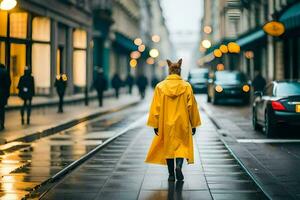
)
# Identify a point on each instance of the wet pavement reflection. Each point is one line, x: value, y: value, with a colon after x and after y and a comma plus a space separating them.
x: 24, y: 166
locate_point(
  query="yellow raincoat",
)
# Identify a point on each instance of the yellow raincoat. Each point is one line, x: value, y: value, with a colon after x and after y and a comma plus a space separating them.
x: 174, y: 112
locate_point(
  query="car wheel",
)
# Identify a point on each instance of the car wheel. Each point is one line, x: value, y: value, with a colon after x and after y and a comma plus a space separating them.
x: 270, y: 127
x: 254, y: 120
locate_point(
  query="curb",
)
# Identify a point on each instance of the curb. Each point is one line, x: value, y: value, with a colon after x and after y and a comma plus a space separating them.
x: 234, y: 155
x: 52, y: 130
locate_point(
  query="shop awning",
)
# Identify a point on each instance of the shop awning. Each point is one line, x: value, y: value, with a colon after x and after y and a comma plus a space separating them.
x: 291, y: 17
x: 250, y: 38
x: 125, y: 42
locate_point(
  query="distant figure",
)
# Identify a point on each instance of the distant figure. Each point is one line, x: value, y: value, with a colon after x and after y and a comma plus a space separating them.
x: 61, y: 85
x: 116, y: 83
x: 142, y: 83
x: 129, y: 82
x: 259, y: 82
x: 154, y: 81
x: 100, y: 84
x: 26, y: 92
x: 174, y: 115
x: 4, y: 93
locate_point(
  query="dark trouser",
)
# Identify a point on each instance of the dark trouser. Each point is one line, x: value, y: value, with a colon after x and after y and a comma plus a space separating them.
x: 171, y: 165
x: 130, y: 89
x: 117, y: 92
x: 2, y: 116
x: 142, y: 93
x: 61, y: 103
x: 26, y: 106
x: 100, y: 98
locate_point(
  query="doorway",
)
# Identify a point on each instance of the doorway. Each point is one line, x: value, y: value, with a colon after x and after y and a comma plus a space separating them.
x: 17, y: 65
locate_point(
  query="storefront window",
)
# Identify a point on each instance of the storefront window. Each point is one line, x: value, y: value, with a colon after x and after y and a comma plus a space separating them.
x: 41, y: 65
x: 79, y: 39
x: 79, y: 68
x: 3, y: 23
x: 2, y: 52
x: 41, y: 29
x: 18, y: 25
x: 17, y: 64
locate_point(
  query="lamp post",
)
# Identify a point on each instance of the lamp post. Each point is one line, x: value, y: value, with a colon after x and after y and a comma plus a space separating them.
x: 8, y: 4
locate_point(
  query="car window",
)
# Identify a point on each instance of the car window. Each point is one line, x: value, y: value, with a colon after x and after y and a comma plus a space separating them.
x: 228, y: 77
x: 268, y: 91
x: 288, y: 89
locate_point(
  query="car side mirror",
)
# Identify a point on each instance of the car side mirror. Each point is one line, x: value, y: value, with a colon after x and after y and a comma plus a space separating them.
x: 258, y: 94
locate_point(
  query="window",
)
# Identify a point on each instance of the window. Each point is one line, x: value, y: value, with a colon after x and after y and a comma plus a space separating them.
x: 41, y: 29
x: 2, y: 52
x: 18, y: 25
x: 79, y: 39
x: 3, y: 23
x: 79, y: 68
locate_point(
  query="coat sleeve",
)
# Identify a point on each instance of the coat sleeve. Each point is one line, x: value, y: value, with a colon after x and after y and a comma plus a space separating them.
x: 193, y: 110
x: 154, y: 110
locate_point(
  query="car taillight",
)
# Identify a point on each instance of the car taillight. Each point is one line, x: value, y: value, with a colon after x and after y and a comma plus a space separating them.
x: 277, y: 106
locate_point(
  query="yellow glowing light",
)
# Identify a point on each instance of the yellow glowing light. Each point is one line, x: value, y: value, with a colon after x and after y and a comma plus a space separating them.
x: 233, y: 47
x: 155, y: 38
x: 246, y: 88
x: 141, y: 48
x: 133, y: 63
x: 154, y: 53
x: 223, y: 48
x: 206, y: 44
x: 150, y: 61
x: 274, y: 28
x: 135, y: 54
x: 8, y: 4
x: 217, y: 53
x: 220, y: 67
x: 64, y: 77
x: 58, y: 77
x: 218, y: 88
x: 249, y: 54
x: 138, y: 41
x: 207, y: 29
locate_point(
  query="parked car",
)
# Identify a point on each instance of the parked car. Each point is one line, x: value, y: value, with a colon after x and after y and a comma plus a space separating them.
x: 228, y: 85
x: 276, y: 105
x: 198, y: 79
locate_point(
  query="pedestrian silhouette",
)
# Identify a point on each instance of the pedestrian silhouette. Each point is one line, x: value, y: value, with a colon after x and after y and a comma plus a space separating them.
x: 116, y: 83
x: 142, y: 83
x: 26, y: 92
x: 100, y: 84
x: 129, y: 82
x: 4, y: 93
x: 154, y: 81
x: 174, y: 116
x: 61, y: 85
x: 259, y: 82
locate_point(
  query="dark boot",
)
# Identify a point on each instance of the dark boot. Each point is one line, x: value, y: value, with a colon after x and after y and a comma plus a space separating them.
x: 28, y: 120
x: 22, y: 120
x: 170, y: 163
x: 179, y: 175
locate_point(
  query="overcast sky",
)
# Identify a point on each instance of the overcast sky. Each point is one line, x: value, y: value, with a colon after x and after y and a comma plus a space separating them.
x: 183, y: 21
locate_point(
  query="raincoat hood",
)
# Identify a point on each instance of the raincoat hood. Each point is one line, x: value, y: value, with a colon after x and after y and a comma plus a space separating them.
x: 174, y: 86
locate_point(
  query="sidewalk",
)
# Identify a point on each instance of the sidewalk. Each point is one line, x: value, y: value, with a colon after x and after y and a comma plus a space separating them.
x: 118, y: 171
x: 46, y: 120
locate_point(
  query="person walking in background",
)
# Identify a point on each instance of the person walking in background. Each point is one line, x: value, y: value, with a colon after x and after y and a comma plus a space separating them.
x: 116, y: 83
x: 259, y: 82
x: 174, y: 116
x: 61, y: 85
x: 142, y: 83
x: 154, y: 81
x: 129, y: 82
x: 26, y: 92
x: 100, y: 84
x: 4, y: 93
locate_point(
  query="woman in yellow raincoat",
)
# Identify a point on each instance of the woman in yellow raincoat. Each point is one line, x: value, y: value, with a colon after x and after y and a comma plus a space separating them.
x: 174, y: 116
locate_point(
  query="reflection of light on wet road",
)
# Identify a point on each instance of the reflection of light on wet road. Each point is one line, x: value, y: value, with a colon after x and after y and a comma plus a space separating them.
x: 26, y: 165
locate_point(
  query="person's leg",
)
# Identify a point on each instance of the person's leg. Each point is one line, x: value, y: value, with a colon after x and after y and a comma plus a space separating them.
x: 2, y: 117
x: 101, y: 98
x: 60, y: 110
x: 170, y: 163
x: 179, y: 163
x: 22, y: 111
x: 28, y: 111
x: 117, y: 93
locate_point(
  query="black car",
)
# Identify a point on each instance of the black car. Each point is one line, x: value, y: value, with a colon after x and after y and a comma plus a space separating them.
x: 277, y: 105
x: 228, y: 85
x: 198, y: 79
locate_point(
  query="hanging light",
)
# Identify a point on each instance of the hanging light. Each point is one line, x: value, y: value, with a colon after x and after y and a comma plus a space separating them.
x: 138, y: 41
x: 8, y: 4
x: 206, y: 44
x: 154, y: 53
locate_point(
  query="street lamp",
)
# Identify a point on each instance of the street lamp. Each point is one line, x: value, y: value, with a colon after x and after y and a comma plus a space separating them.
x: 8, y: 4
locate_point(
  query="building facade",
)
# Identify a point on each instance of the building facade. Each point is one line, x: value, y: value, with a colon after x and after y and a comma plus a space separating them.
x: 51, y: 38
